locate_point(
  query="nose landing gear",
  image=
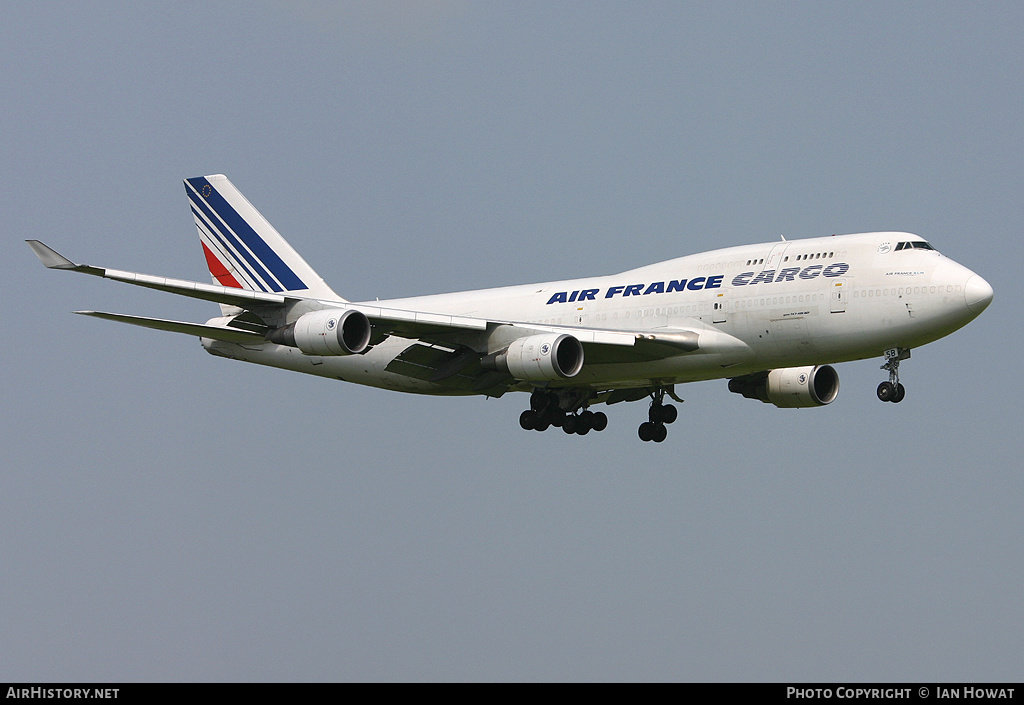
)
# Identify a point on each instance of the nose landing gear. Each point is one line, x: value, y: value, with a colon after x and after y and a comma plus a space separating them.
x: 892, y: 390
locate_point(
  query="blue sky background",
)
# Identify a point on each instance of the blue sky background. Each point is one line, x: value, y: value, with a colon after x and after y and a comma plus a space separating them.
x: 167, y: 515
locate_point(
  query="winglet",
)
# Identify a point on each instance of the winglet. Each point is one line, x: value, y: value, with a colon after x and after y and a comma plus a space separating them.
x: 55, y: 260
x: 50, y: 257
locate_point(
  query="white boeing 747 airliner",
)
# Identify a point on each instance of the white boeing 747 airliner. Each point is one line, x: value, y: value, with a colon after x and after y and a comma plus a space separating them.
x: 768, y: 317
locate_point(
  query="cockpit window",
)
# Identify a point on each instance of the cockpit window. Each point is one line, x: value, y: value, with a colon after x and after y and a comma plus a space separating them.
x: 915, y: 245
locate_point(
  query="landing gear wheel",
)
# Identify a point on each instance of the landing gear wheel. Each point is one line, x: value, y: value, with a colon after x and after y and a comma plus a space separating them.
x: 900, y: 393
x: 668, y: 413
x: 569, y: 425
x: 660, y: 412
x: 599, y: 421
x: 886, y: 391
x: 650, y: 431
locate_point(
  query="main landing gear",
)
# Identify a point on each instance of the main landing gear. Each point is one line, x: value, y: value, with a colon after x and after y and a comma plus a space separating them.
x: 658, y: 416
x: 567, y: 409
x: 892, y: 390
x: 552, y: 409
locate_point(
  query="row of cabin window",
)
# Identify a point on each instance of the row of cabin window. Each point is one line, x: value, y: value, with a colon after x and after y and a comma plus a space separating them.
x: 773, y: 301
x: 798, y: 258
x: 909, y: 290
x: 692, y: 310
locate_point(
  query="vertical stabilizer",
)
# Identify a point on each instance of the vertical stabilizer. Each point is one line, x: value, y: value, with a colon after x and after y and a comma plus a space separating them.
x: 242, y: 248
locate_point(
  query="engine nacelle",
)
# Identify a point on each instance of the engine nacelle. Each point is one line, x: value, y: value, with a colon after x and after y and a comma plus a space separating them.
x: 790, y: 387
x: 328, y: 332
x: 539, y: 358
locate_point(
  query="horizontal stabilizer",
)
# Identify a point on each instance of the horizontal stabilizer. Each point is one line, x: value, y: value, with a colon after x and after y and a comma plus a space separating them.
x: 228, y: 335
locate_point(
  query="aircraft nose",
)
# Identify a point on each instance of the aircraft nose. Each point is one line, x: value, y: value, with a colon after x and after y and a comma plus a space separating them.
x: 978, y: 294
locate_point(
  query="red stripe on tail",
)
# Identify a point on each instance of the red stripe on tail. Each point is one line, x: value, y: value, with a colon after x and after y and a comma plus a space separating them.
x: 218, y: 270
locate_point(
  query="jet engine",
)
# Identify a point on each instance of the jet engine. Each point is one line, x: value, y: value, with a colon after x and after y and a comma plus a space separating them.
x: 328, y: 332
x: 790, y: 387
x: 539, y: 358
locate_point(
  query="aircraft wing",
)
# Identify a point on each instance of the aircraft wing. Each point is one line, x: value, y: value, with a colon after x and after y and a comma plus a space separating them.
x: 414, y: 322
x: 603, y: 345
x: 241, y: 298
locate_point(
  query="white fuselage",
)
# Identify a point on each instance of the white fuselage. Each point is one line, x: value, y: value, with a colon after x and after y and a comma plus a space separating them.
x: 755, y: 307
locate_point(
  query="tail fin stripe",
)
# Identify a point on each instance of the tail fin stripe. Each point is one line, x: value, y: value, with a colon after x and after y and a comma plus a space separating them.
x: 251, y: 238
x: 233, y: 244
x: 218, y: 270
x: 217, y: 241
